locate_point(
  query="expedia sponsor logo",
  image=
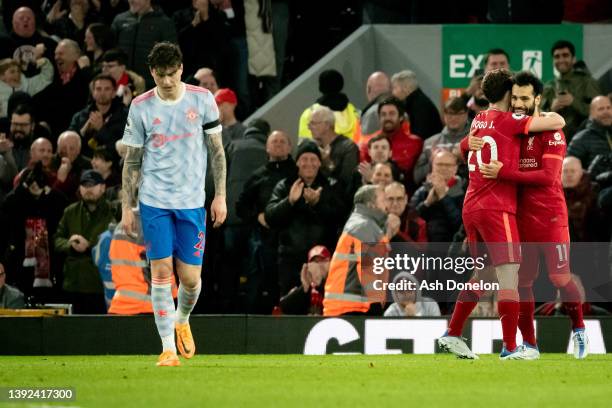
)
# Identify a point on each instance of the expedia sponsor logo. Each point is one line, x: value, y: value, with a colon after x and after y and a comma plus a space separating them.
x: 558, y: 140
x: 556, y: 143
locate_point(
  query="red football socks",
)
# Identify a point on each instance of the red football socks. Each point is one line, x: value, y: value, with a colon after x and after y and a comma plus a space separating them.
x: 570, y: 296
x: 526, y: 313
x: 508, y: 308
x: 466, y: 302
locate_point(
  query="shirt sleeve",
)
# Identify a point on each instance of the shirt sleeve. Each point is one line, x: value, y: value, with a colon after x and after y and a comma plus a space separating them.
x: 517, y: 124
x: 210, y: 116
x: 552, y: 161
x: 134, y: 132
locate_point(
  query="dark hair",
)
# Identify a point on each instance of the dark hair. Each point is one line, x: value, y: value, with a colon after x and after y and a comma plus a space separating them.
x: 525, y: 78
x: 496, y: 83
x: 104, y: 153
x: 103, y: 36
x: 392, y: 100
x: 23, y: 109
x: 496, y: 51
x: 563, y: 44
x: 260, y: 124
x: 18, y: 98
x: 378, y: 138
x: 104, y: 77
x: 165, y: 55
x: 115, y: 54
x: 455, y: 105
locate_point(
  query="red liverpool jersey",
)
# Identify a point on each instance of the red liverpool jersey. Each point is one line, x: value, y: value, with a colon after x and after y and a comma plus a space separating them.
x: 540, y: 197
x: 499, y: 131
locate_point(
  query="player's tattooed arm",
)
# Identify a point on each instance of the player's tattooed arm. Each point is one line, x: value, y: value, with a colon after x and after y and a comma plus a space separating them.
x: 217, y: 160
x: 131, y: 175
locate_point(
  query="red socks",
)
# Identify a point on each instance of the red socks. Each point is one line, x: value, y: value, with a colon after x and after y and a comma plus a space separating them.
x: 526, y: 312
x: 570, y: 296
x: 466, y: 302
x: 508, y: 308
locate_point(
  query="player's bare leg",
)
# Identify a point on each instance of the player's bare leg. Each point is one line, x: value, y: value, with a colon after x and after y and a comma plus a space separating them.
x: 163, y: 309
x: 467, y: 300
x: 189, y: 291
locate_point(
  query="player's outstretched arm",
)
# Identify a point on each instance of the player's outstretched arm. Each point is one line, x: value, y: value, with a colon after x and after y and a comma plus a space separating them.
x: 547, y: 121
x: 546, y: 176
x: 131, y: 175
x: 219, y: 167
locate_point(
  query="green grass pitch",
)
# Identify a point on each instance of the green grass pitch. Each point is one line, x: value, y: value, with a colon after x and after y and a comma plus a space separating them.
x: 557, y: 380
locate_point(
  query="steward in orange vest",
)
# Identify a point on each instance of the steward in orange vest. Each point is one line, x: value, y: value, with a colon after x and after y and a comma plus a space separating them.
x: 349, y: 286
x: 131, y: 273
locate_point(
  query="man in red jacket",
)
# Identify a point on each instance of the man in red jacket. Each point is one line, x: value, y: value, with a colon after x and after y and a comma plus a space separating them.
x: 405, y: 146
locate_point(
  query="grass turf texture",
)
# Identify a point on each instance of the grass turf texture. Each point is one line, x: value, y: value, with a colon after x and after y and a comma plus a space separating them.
x: 557, y: 380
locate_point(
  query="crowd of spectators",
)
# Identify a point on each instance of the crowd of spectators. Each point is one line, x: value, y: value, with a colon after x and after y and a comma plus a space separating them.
x: 69, y: 71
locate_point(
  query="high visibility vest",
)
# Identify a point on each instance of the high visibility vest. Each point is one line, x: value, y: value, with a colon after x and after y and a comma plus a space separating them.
x: 349, y: 288
x: 347, y: 122
x: 100, y: 257
x: 131, y: 275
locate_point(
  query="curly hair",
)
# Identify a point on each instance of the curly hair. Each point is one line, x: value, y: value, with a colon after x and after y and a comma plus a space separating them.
x: 164, y: 55
x: 496, y: 83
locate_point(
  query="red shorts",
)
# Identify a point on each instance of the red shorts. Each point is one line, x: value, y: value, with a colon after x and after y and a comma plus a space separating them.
x: 551, y: 244
x: 499, y: 233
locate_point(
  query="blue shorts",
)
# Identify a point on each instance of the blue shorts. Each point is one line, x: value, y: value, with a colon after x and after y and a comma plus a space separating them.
x: 169, y: 232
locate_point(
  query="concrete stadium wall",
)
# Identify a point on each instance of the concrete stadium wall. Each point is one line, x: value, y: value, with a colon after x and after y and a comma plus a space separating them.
x: 391, y: 48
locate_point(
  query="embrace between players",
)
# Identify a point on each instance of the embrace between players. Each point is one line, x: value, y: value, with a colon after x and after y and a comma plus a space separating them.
x: 515, y: 195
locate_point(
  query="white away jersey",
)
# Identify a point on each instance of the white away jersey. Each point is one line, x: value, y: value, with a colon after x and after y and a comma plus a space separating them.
x: 171, y: 132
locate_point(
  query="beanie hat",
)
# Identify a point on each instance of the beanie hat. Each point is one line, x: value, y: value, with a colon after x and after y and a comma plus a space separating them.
x: 307, y: 147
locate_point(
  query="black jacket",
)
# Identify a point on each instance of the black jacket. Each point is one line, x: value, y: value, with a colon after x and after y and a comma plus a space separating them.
x: 205, y: 45
x: 245, y: 156
x: 111, y: 131
x: 342, y: 162
x: 301, y: 226
x: 444, y: 216
x: 58, y: 102
x: 423, y: 115
x: 137, y: 35
x: 258, y: 188
x: 595, y: 139
x: 601, y: 169
x: 11, y: 42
